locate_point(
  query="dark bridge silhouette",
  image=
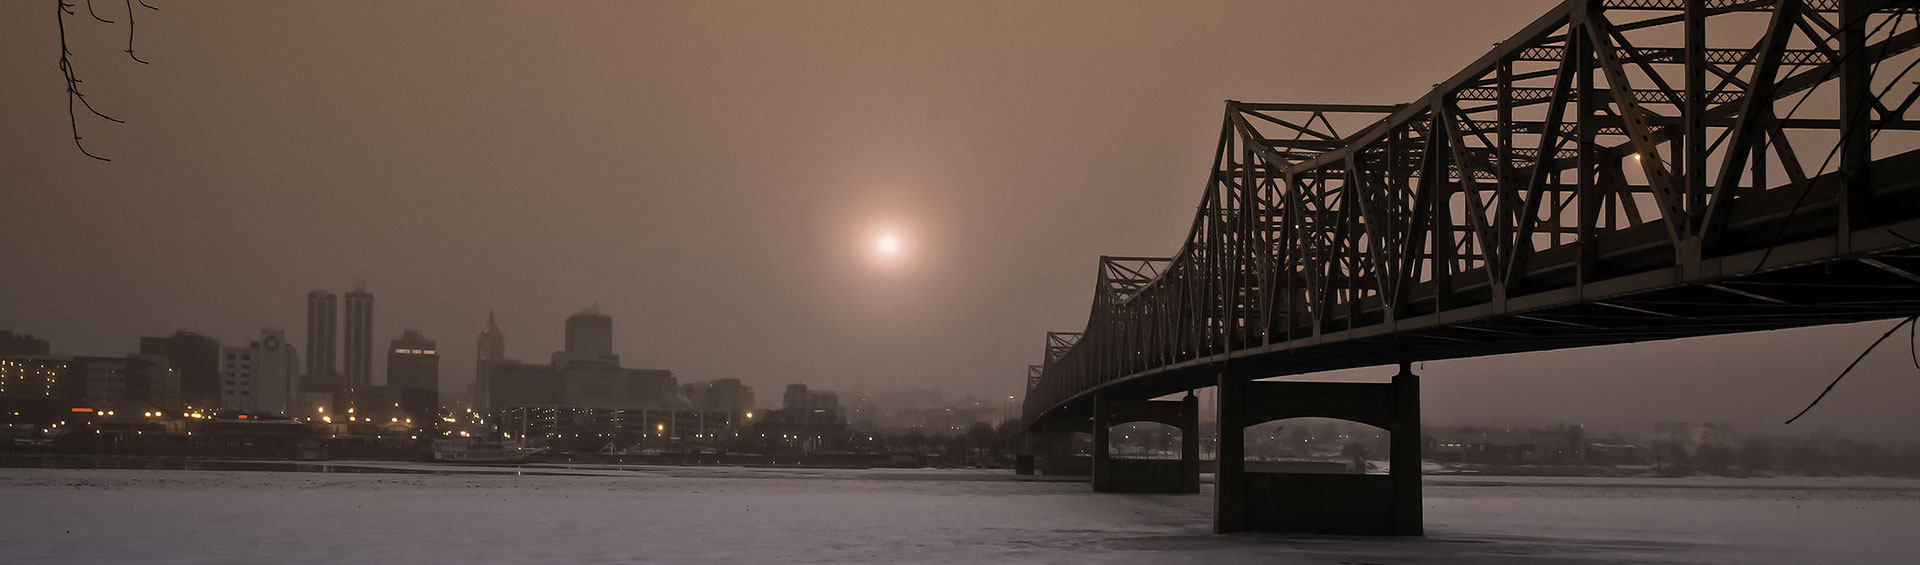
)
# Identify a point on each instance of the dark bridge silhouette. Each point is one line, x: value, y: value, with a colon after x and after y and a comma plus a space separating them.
x: 1601, y: 177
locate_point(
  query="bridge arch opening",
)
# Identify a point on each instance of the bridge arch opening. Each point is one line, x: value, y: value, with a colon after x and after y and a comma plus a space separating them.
x: 1317, y: 445
x: 1144, y: 440
x: 1080, y: 444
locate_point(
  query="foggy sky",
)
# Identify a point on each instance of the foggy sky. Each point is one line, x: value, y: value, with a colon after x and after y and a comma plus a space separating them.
x: 711, y: 174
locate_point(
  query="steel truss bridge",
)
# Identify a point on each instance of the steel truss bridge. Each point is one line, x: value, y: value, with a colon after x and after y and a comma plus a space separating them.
x: 1616, y: 171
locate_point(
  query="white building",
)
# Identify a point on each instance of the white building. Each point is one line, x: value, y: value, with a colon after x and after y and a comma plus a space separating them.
x: 258, y: 378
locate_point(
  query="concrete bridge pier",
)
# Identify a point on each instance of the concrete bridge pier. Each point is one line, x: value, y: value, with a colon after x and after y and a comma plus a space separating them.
x: 1053, y: 449
x: 1319, y: 503
x: 1111, y: 474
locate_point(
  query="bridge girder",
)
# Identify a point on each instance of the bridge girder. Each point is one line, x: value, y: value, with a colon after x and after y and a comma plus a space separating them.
x: 1582, y: 183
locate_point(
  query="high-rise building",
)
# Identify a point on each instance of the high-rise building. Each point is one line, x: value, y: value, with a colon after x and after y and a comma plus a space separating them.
x: 258, y: 378
x: 590, y: 336
x: 413, y: 375
x: 492, y: 344
x: 323, y: 335
x: 197, y: 358
x: 490, y: 349
x: 586, y: 375
x: 357, y: 347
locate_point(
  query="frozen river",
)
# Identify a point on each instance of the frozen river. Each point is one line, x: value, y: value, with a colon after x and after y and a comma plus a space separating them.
x: 670, y: 514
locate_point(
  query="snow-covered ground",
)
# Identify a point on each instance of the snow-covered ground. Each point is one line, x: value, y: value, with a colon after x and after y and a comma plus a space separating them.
x: 683, y: 514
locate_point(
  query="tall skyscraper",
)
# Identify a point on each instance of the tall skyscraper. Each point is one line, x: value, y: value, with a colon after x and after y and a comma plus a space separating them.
x: 357, y: 353
x: 197, y: 359
x: 413, y: 374
x: 323, y: 335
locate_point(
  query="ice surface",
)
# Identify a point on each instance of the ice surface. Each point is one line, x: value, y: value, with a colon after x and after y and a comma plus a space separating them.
x: 599, y: 514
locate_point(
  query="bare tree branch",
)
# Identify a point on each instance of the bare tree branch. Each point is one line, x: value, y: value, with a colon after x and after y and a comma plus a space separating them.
x: 73, y: 82
x: 75, y: 97
x: 130, y: 54
x: 96, y: 15
x: 1850, y: 366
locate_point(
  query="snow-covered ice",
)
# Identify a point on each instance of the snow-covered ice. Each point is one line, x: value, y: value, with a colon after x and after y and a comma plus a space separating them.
x: 683, y: 514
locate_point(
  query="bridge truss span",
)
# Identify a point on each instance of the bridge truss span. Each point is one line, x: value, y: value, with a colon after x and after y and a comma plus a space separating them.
x: 1617, y: 171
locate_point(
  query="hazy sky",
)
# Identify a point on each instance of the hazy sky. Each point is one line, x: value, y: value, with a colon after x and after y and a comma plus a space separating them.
x: 714, y: 174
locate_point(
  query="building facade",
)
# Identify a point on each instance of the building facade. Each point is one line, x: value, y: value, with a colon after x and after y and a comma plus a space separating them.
x: 590, y: 336
x: 134, y: 383
x: 802, y: 405
x: 513, y: 384
x: 413, y: 375
x: 721, y: 396
x: 128, y: 384
x: 258, y: 378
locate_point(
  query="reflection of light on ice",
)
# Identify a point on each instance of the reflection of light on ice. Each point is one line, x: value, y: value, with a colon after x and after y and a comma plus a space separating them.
x: 724, y: 513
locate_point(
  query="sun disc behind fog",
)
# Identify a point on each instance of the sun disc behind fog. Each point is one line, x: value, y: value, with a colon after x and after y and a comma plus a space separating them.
x: 887, y: 245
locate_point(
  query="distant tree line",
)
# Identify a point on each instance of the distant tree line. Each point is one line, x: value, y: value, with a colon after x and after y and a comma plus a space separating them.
x: 981, y: 444
x: 1762, y: 456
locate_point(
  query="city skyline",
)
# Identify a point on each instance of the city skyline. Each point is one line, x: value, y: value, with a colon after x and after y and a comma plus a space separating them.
x: 905, y: 281
x: 232, y: 193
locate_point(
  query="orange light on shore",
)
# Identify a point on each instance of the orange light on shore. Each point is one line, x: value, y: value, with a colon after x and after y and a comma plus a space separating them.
x: 84, y: 410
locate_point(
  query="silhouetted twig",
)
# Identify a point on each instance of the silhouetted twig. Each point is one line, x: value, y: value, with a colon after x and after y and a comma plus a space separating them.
x: 75, y: 97
x: 96, y: 15
x: 1913, y: 343
x: 1850, y: 366
x: 130, y: 54
x: 73, y: 81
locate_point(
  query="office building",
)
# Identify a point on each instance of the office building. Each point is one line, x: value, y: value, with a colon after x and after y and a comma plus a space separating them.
x: 323, y: 334
x: 802, y: 405
x: 413, y: 376
x: 258, y: 378
x: 357, y: 346
x: 197, y: 359
x: 131, y: 384
x: 587, y: 374
x: 722, y: 396
x: 589, y: 337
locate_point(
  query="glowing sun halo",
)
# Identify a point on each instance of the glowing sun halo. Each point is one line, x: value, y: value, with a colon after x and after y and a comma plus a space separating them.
x: 887, y: 245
